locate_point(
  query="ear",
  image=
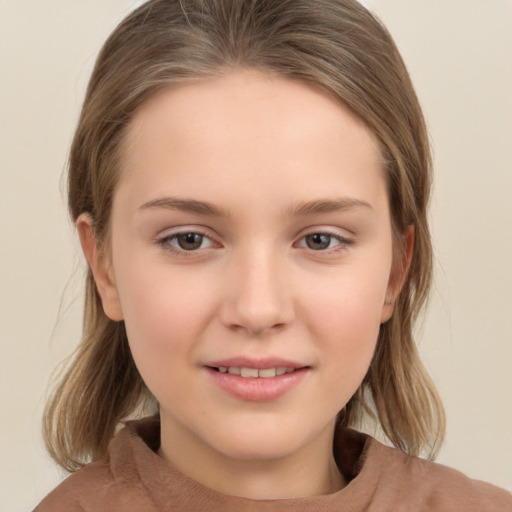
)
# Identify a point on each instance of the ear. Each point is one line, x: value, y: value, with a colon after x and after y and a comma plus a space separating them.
x: 399, y: 271
x: 101, y: 267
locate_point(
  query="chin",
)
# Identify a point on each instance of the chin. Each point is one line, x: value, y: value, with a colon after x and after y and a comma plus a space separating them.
x: 261, y: 442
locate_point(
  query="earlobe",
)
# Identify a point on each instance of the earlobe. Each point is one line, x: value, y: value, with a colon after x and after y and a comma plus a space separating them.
x: 399, y: 272
x: 100, y: 266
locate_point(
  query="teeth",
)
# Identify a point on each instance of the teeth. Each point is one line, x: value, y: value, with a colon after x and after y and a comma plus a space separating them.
x: 249, y: 372
x: 264, y: 373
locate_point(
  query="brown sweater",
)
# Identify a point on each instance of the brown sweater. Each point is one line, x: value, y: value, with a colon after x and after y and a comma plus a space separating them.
x: 132, y: 477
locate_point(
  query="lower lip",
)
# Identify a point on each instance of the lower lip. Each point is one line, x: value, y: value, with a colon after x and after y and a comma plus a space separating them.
x: 257, y: 389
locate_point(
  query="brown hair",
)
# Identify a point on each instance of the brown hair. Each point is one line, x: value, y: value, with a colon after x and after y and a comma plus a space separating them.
x: 336, y: 44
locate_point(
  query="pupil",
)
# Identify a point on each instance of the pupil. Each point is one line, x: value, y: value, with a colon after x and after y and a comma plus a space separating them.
x: 190, y: 241
x: 318, y: 241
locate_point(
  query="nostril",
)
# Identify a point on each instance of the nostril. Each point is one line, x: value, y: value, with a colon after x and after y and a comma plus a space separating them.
x: 257, y: 328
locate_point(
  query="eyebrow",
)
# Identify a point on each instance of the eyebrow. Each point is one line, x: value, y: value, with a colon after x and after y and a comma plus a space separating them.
x: 296, y: 210
x: 185, y: 205
x: 326, y: 206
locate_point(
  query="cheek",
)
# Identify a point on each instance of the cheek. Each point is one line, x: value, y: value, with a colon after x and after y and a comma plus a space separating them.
x: 345, y: 320
x: 164, y: 317
x: 348, y: 301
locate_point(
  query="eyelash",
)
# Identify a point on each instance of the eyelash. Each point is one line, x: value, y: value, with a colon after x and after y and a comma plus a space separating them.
x: 343, y: 244
x: 166, y: 243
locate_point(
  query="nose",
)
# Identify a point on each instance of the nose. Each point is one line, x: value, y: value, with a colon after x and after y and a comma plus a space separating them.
x: 257, y: 298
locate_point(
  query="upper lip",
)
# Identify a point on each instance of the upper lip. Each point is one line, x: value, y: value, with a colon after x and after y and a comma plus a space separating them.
x: 251, y: 362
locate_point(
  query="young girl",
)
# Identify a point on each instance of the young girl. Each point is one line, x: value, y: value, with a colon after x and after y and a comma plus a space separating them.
x: 249, y: 180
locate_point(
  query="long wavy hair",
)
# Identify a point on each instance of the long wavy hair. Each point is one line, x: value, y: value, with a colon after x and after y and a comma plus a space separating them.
x: 336, y: 44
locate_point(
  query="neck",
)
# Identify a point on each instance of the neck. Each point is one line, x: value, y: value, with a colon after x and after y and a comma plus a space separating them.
x: 310, y: 471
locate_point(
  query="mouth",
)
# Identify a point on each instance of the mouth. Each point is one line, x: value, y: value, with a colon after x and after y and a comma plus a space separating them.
x: 255, y: 373
x: 257, y: 380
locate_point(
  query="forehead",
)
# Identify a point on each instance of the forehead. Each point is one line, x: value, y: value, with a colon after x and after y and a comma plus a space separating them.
x: 250, y: 127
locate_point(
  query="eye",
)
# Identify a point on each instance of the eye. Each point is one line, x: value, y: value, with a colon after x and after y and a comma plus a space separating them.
x: 323, y: 241
x: 188, y: 241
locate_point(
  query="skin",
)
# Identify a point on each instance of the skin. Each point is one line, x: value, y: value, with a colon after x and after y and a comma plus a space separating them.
x: 256, y: 147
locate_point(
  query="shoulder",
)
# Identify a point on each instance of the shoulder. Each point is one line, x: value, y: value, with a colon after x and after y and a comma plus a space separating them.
x: 427, y: 486
x: 109, y: 484
x: 445, y: 488
x: 94, y: 489
x: 68, y: 495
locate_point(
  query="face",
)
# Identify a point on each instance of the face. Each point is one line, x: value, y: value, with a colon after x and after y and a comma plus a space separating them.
x: 250, y: 259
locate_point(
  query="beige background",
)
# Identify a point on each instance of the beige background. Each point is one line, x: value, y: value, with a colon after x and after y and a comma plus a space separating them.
x: 460, y: 55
